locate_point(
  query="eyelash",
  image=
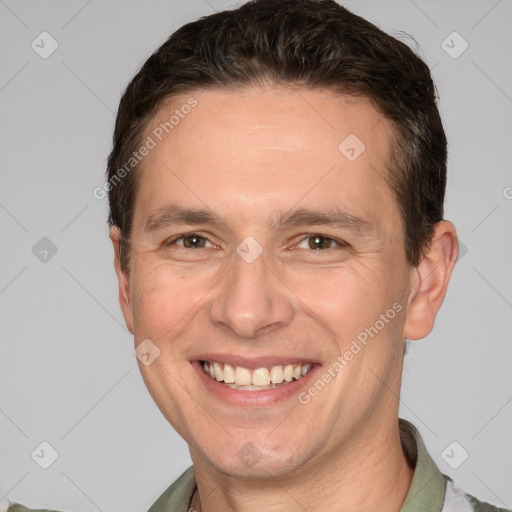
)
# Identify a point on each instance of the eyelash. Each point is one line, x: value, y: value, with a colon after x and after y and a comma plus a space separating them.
x: 173, y: 240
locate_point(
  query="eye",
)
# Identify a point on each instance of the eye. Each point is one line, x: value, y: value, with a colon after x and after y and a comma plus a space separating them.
x: 317, y: 242
x: 189, y: 241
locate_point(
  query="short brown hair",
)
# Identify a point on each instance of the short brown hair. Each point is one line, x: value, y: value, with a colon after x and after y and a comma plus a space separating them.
x: 316, y: 44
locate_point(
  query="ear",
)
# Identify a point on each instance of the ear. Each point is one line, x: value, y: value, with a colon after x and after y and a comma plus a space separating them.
x: 430, y: 281
x: 123, y: 279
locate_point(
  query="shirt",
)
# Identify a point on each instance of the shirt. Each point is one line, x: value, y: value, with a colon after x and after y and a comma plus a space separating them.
x: 430, y: 490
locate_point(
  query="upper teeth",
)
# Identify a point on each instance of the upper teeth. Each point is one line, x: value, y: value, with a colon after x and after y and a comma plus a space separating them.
x: 259, y: 377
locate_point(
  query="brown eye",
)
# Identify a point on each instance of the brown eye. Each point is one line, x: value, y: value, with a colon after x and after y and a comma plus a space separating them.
x: 319, y: 242
x: 189, y: 241
x: 194, y: 241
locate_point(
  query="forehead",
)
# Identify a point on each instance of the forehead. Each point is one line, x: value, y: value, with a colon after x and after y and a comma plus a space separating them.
x: 263, y: 148
x: 304, y: 120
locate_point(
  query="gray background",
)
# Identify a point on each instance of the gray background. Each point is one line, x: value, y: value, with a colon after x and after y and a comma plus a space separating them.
x: 68, y: 375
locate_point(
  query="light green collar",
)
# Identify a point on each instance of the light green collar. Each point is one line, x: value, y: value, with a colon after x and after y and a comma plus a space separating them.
x: 427, y: 490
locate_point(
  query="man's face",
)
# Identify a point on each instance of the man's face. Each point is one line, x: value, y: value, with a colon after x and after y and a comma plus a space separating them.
x: 264, y: 166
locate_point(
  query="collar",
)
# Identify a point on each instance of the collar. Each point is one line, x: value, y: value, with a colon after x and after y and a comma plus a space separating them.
x: 426, y: 493
x: 427, y: 490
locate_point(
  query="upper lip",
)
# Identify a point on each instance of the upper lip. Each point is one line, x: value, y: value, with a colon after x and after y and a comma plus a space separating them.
x: 253, y: 362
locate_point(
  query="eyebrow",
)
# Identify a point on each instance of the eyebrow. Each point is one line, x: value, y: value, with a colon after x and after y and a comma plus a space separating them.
x: 173, y: 214
x: 335, y: 217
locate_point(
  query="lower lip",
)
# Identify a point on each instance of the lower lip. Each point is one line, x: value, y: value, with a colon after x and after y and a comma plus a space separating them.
x: 266, y: 397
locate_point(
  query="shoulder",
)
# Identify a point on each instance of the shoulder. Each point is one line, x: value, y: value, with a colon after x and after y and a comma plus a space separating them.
x: 482, y: 506
x: 457, y: 500
x: 17, y: 507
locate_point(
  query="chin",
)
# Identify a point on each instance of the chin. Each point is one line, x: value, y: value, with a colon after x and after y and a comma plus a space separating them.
x: 253, y: 462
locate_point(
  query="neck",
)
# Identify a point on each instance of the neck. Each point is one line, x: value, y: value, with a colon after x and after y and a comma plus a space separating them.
x: 369, y: 473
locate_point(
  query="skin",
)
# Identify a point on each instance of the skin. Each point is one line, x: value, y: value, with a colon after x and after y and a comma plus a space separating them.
x: 249, y: 156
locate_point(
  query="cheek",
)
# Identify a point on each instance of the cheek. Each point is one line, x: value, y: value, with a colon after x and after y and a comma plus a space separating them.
x: 346, y: 299
x: 164, y: 299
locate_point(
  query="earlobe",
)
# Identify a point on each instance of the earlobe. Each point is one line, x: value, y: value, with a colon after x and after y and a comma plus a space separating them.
x: 123, y: 280
x: 430, y: 281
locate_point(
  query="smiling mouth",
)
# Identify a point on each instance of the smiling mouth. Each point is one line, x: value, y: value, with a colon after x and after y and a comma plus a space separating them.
x: 258, y: 379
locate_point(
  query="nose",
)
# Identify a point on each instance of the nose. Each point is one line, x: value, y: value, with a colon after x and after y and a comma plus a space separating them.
x: 251, y: 300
